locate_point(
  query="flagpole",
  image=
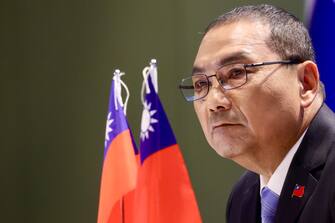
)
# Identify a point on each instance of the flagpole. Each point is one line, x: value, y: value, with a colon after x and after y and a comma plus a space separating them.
x: 122, y: 210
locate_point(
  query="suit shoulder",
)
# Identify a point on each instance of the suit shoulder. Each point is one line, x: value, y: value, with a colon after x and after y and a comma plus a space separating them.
x: 247, y: 183
x: 245, y: 193
x: 247, y: 180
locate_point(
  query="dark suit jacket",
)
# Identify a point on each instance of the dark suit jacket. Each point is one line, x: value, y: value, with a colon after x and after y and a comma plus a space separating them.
x: 313, y: 167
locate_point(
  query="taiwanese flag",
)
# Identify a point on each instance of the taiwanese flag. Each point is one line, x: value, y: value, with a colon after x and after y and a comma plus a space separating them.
x: 322, y: 31
x: 298, y: 191
x: 119, y: 173
x: 164, y: 193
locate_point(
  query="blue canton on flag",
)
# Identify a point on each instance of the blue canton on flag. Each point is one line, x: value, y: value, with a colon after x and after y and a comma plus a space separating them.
x: 156, y: 132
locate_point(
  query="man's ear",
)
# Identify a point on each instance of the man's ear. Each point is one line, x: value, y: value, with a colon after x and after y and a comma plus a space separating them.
x: 308, y: 76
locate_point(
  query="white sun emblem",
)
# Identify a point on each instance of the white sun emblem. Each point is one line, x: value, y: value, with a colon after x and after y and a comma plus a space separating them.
x: 147, y: 120
x: 108, y: 127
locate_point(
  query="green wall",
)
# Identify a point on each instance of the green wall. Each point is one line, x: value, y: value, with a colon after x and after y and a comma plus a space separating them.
x: 56, y: 64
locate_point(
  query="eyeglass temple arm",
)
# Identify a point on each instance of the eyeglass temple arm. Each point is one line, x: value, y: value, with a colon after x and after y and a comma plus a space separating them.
x: 185, y: 87
x: 273, y: 62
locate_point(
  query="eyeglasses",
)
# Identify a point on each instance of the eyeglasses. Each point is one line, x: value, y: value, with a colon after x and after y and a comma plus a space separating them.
x: 229, y: 76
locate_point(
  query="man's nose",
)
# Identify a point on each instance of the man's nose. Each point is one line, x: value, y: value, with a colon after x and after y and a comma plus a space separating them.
x: 217, y: 98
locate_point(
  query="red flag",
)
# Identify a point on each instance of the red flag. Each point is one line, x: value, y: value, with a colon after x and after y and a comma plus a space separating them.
x: 119, y: 174
x: 164, y: 192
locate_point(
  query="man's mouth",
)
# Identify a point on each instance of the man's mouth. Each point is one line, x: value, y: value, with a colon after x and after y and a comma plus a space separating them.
x: 223, y: 125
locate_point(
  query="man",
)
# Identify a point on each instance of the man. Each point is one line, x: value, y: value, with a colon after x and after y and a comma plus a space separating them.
x: 256, y: 91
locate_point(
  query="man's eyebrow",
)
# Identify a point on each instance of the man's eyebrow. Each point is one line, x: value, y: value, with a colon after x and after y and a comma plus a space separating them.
x: 232, y: 58
x: 197, y: 70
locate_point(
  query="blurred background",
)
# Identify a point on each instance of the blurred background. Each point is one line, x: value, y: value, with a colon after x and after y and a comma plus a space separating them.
x: 56, y: 63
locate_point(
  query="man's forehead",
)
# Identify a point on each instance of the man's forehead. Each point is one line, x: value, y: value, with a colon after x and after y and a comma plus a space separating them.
x: 231, y: 42
x: 235, y: 57
x: 237, y: 34
x: 242, y: 28
x: 240, y: 53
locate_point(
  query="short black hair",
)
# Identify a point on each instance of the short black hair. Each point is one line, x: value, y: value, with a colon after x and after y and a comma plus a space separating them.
x: 288, y: 38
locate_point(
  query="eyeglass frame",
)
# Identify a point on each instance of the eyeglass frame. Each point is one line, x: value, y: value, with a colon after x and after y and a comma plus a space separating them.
x: 287, y: 62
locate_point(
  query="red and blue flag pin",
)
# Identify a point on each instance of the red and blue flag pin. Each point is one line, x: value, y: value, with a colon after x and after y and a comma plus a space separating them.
x: 298, y: 191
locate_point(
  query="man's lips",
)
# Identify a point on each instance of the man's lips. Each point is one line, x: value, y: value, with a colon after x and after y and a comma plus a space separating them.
x: 222, y: 125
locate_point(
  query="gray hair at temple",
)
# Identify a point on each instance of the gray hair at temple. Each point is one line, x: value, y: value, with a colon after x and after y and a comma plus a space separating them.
x: 288, y: 38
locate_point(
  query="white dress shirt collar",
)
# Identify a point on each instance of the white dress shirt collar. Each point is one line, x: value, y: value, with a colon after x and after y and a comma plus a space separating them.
x: 277, y: 179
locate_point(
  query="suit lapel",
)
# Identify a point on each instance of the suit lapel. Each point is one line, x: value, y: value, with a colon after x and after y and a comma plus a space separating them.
x: 251, y: 208
x: 290, y: 203
x: 305, y: 167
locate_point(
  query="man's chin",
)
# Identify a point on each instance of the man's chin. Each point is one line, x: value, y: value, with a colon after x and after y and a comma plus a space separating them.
x: 226, y: 152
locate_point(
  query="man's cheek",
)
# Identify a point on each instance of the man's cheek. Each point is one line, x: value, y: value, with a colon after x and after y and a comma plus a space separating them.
x: 202, y: 118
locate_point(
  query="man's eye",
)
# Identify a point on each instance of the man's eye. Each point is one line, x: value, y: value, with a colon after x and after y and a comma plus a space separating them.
x: 200, y: 85
x: 236, y: 73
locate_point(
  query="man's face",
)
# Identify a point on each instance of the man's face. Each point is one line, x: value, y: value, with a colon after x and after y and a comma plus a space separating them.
x: 259, y: 117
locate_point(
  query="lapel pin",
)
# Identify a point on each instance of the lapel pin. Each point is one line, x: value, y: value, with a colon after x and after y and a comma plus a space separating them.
x: 298, y: 191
